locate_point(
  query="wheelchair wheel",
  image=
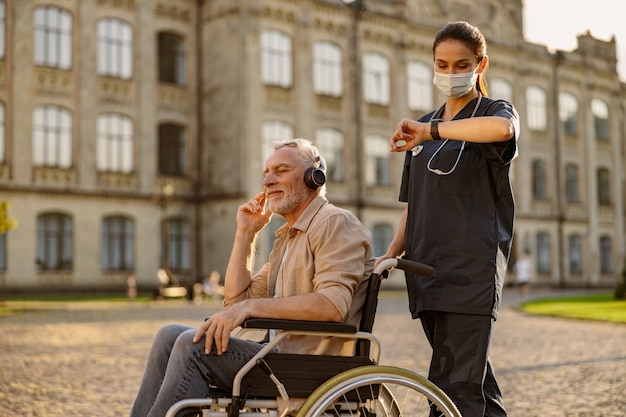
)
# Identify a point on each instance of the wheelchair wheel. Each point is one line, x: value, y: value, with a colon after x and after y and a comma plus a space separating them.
x: 378, y: 391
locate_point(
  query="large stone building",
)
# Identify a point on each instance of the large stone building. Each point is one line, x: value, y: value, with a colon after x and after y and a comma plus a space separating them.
x: 131, y: 130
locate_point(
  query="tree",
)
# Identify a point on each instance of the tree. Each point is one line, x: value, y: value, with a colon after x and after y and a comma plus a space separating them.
x: 6, y: 223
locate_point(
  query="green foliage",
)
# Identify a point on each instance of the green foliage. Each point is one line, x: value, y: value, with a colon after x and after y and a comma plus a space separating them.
x: 6, y: 223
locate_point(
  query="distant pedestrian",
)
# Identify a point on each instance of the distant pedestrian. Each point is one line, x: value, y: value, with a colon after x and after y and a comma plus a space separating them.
x: 131, y: 287
x: 523, y: 273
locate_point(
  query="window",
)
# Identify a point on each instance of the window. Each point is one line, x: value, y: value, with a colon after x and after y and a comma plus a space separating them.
x: 178, y: 245
x: 172, y: 150
x: 274, y: 130
x: 52, y: 136
x: 54, y: 242
x: 420, y: 80
x: 172, y: 68
x: 53, y: 37
x: 3, y: 251
x: 377, y: 166
x: 543, y: 253
x: 604, y: 189
x: 2, y: 134
x: 327, y: 75
x: 571, y: 183
x: 115, y: 48
x: 540, y: 185
x: 115, y: 143
x: 118, y: 244
x: 501, y: 89
x: 376, y: 78
x: 3, y: 30
x: 382, y: 234
x: 606, y: 255
x: 600, y: 112
x: 575, y: 249
x: 536, y: 108
x: 276, y: 58
x: 568, y: 113
x: 330, y: 143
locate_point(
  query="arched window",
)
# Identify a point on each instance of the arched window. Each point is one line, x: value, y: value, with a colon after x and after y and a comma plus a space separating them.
x: 115, y: 48
x: 118, y: 244
x: 115, y: 143
x: 178, y: 245
x: 172, y: 149
x: 172, y: 58
x: 606, y: 255
x: 536, y: 108
x: 544, y: 261
x: 568, y: 113
x: 274, y: 130
x: 600, y: 112
x: 327, y: 69
x: 52, y: 136
x: 54, y: 242
x: 571, y: 183
x: 420, y: 85
x: 540, y: 181
x: 382, y: 234
x: 376, y: 78
x: 604, y: 188
x: 330, y: 143
x: 276, y: 58
x: 501, y: 89
x: 377, y: 167
x: 53, y: 37
x: 575, y: 250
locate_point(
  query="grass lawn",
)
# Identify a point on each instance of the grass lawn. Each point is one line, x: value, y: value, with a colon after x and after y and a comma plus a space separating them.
x: 601, y: 307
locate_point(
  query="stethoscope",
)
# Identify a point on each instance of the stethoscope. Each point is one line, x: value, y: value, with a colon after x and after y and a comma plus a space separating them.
x: 416, y: 150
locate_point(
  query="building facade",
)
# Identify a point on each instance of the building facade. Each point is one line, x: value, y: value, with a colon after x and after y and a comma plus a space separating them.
x: 131, y: 130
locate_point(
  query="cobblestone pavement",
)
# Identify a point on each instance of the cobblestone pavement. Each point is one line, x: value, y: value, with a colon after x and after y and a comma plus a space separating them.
x: 88, y: 359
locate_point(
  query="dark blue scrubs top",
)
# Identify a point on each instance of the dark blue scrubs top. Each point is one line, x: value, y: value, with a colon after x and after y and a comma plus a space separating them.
x: 461, y: 223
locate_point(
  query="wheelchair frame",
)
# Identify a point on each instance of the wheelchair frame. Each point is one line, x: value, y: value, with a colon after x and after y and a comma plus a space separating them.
x: 314, y: 384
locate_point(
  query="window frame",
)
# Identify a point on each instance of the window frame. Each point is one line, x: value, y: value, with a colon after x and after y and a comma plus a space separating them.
x: 172, y: 147
x: 52, y: 40
x: 376, y: 81
x: 52, y: 138
x: 327, y: 69
x: 115, y: 143
x: 55, y: 242
x: 536, y: 108
x: 420, y: 85
x: 115, y: 48
x: 276, y: 58
x: 117, y: 250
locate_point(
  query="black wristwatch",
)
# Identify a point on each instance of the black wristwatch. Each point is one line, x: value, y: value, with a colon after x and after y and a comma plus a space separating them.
x: 434, y: 129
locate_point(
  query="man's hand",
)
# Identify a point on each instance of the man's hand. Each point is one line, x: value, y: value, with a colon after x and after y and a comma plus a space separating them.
x: 252, y: 216
x: 219, y: 326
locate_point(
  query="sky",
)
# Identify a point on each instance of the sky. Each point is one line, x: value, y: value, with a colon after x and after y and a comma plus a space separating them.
x: 556, y: 23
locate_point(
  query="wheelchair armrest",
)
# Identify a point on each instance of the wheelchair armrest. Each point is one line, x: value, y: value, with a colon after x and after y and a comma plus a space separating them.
x: 313, y: 326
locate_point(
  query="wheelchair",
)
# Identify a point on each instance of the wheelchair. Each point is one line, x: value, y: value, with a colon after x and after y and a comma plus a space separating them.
x: 279, y: 384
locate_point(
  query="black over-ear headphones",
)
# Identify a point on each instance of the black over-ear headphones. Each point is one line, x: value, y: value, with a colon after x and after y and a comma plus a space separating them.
x: 314, y: 178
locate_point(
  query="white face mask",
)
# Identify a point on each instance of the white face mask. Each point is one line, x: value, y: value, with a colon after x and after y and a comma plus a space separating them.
x: 455, y: 85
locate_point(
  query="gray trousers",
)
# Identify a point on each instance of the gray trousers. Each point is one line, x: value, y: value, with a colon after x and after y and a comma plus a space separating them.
x: 460, y: 364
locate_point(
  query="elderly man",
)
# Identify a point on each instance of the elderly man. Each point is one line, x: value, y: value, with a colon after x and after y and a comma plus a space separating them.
x: 317, y: 270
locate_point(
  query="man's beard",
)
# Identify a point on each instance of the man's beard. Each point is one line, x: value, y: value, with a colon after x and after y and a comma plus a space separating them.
x: 289, y: 201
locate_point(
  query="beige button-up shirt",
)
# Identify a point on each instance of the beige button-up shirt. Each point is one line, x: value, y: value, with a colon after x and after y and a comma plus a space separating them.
x: 330, y: 253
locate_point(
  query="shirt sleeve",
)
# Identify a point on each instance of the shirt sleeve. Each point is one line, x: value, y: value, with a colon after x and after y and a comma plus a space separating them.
x: 342, y: 249
x: 502, y: 153
x: 257, y: 288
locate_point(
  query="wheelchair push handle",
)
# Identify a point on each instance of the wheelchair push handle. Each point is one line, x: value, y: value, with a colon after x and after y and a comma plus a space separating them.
x: 413, y: 267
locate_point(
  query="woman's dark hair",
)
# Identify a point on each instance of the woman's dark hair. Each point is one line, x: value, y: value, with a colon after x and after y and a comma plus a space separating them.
x: 472, y: 37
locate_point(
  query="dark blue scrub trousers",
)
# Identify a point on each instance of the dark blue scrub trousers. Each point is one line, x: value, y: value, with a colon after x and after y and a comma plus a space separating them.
x: 460, y: 364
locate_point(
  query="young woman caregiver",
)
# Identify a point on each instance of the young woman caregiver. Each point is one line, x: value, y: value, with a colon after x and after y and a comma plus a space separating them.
x: 459, y: 218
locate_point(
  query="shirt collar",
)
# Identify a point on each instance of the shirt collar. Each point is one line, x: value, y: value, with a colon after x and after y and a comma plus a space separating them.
x: 304, y: 221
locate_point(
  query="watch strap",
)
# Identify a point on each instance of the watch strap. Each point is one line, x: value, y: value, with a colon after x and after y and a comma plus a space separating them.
x: 434, y: 129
